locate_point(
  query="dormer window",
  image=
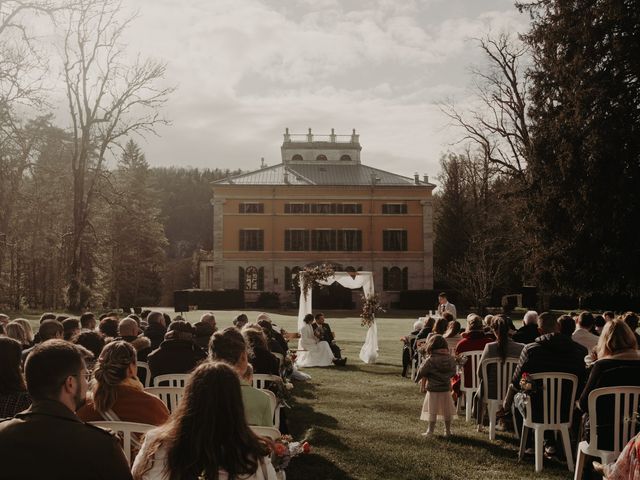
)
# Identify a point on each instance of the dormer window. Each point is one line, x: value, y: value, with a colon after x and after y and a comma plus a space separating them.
x: 345, y: 158
x: 321, y: 158
x: 296, y: 158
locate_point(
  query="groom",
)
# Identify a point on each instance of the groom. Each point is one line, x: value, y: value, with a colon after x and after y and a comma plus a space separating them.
x: 323, y: 331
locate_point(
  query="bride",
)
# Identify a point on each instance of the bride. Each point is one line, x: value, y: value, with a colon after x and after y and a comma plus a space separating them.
x: 315, y: 353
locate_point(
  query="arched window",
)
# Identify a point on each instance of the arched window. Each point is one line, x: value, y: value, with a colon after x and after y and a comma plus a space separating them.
x: 296, y: 158
x: 321, y: 158
x: 252, y: 278
x: 345, y: 158
x: 394, y: 279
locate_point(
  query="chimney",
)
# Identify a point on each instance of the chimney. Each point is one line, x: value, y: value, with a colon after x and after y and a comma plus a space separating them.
x: 262, y: 164
x: 425, y: 178
x: 416, y: 178
x: 373, y: 179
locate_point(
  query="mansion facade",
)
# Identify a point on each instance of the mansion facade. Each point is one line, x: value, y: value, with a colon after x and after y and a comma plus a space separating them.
x: 320, y: 205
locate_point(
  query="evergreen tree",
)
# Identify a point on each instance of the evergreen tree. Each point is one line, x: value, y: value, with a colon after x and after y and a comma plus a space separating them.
x: 585, y: 162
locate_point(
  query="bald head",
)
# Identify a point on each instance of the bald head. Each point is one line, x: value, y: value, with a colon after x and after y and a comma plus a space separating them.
x: 128, y: 327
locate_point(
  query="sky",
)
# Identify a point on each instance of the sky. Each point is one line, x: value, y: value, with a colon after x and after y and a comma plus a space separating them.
x: 244, y: 70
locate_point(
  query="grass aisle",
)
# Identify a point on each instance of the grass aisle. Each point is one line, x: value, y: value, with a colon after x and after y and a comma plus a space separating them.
x: 362, y: 422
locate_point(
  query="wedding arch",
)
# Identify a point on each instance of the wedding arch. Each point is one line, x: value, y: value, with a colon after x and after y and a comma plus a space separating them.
x: 324, y: 275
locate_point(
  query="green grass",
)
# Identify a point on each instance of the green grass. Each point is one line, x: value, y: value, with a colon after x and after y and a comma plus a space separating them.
x: 363, y: 420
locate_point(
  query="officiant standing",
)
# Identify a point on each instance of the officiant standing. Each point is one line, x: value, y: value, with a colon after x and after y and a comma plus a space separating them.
x: 445, y: 306
x: 324, y: 333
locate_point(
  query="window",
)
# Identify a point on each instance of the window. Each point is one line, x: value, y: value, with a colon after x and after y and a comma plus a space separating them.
x: 321, y: 158
x: 394, y: 279
x: 251, y: 208
x: 394, y: 240
x: 252, y: 240
x: 323, y: 208
x: 289, y: 275
x: 296, y: 158
x: 350, y: 240
x: 394, y: 208
x: 323, y: 240
x: 345, y: 158
x: 296, y: 240
x: 296, y: 208
x: 349, y: 208
x: 251, y: 279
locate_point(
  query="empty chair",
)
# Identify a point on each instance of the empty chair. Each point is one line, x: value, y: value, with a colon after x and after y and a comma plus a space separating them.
x: 144, y: 373
x: 126, y: 432
x: 470, y: 386
x: 610, y: 431
x: 550, y: 407
x: 171, y: 396
x: 493, y: 395
x: 171, y: 380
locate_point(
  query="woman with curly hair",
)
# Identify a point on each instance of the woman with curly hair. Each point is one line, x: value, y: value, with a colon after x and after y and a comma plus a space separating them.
x: 116, y: 394
x: 207, y: 436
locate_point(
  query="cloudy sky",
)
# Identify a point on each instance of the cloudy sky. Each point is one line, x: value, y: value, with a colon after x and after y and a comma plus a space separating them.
x: 246, y: 69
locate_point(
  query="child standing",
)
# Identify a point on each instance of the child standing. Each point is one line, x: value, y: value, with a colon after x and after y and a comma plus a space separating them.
x: 436, y: 371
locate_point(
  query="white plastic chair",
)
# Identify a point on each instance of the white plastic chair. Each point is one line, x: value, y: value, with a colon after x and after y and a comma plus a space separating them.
x: 171, y: 396
x: 260, y: 380
x: 624, y: 420
x: 270, y: 432
x: 473, y: 357
x: 493, y: 399
x: 125, y: 430
x: 553, y: 394
x: 275, y: 407
x: 147, y: 373
x: 174, y: 380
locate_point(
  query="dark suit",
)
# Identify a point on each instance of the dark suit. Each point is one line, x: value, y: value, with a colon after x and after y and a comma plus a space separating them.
x: 49, y: 441
x: 325, y: 334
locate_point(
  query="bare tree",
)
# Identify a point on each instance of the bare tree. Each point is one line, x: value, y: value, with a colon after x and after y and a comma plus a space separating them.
x: 108, y: 100
x: 499, y: 125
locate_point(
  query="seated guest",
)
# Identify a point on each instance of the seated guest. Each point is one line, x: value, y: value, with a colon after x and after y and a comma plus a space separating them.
x: 626, y: 466
x: 70, y: 327
x: 28, y: 331
x: 129, y: 331
x: 229, y: 346
x: 427, y: 328
x: 325, y: 334
x: 452, y: 335
x: 583, y: 334
x: 598, y: 324
x: 631, y: 319
x: 441, y: 324
x: 49, y: 329
x: 240, y: 321
x: 116, y: 394
x: 92, y: 341
x: 16, y: 331
x: 312, y: 352
x: 529, y: 330
x: 210, y: 319
x: 208, y: 436
x: 279, y: 335
x: 260, y: 358
x: 108, y: 327
x: 47, y: 316
x: 156, y: 329
x: 178, y: 353
x: 566, y: 325
x: 472, y: 340
x: 408, y: 344
x: 203, y: 332
x: 13, y: 392
x: 88, y: 321
x: 48, y: 440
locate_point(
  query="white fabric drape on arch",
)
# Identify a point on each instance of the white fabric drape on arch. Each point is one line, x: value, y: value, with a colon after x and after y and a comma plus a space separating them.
x: 369, y: 351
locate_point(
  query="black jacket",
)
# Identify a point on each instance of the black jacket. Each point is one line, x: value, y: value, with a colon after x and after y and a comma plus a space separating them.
x: 49, y: 441
x: 155, y: 332
x: 175, y: 356
x: 526, y: 334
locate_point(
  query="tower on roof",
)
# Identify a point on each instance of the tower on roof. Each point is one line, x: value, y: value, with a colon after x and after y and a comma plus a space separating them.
x: 309, y: 148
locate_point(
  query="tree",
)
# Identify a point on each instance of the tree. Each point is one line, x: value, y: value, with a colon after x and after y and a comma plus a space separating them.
x: 108, y: 101
x: 585, y: 157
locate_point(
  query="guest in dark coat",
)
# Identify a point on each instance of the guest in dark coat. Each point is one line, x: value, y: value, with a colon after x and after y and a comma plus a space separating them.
x: 156, y: 329
x: 13, y: 391
x: 177, y: 353
x: 260, y: 358
x: 529, y: 330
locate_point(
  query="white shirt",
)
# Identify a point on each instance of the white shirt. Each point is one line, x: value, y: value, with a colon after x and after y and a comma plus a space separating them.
x: 448, y: 307
x: 585, y: 338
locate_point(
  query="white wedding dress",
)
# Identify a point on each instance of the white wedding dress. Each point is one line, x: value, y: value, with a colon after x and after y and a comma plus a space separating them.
x: 315, y: 353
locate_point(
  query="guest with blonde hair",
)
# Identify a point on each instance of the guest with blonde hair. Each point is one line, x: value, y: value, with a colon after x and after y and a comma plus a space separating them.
x: 28, y: 330
x: 116, y: 393
x: 16, y: 331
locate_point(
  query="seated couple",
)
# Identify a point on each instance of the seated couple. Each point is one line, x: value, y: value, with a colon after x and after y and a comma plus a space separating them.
x: 317, y: 344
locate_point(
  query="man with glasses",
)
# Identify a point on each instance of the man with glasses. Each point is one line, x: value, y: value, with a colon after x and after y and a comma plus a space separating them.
x: 48, y: 440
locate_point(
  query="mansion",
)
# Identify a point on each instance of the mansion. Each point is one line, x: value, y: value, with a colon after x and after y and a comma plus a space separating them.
x: 320, y: 205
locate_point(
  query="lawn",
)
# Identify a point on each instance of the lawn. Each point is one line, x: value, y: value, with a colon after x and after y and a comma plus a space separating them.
x: 362, y: 420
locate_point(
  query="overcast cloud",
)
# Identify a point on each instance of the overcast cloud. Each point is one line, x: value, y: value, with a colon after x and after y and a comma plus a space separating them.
x: 246, y: 69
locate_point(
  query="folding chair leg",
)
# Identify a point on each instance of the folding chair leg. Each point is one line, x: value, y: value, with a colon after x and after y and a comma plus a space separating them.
x: 566, y: 443
x: 492, y: 410
x: 513, y: 418
x: 469, y: 402
x: 580, y: 461
x: 523, y: 442
x: 539, y: 447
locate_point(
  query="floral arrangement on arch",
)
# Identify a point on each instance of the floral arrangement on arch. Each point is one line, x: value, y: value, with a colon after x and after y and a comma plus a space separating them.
x: 310, y: 275
x: 370, y: 306
x: 284, y: 449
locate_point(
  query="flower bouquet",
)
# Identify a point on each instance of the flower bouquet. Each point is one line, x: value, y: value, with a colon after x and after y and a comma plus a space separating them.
x: 370, y: 306
x: 284, y: 449
x: 310, y: 275
x: 527, y: 384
